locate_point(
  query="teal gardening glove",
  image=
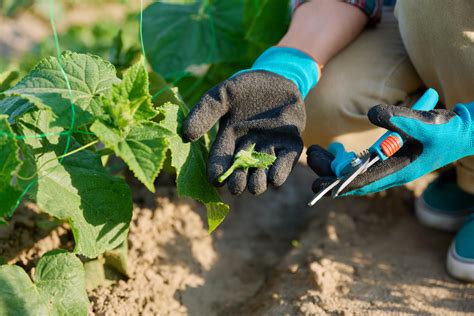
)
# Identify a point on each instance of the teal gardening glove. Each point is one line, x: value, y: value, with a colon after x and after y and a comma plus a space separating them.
x: 433, y: 139
x: 262, y: 106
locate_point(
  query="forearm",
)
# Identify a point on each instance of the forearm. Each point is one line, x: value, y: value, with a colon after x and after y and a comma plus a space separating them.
x: 321, y: 28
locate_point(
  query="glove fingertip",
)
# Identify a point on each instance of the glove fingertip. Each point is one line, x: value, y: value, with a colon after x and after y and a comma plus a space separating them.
x: 381, y: 114
x: 314, y: 148
x: 278, y: 178
x: 282, y: 167
x: 189, y: 132
x: 257, y: 182
x: 215, y: 169
x: 213, y: 175
x: 319, y: 160
x: 237, y: 182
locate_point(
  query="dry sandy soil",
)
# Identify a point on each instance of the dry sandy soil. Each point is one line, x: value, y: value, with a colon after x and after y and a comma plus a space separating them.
x: 272, y: 256
x: 353, y: 256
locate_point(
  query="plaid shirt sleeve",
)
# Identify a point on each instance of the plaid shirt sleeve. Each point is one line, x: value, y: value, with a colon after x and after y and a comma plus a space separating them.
x: 372, y: 8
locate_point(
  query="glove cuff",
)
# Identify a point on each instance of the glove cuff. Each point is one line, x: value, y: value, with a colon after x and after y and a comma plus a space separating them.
x: 466, y: 112
x: 292, y: 64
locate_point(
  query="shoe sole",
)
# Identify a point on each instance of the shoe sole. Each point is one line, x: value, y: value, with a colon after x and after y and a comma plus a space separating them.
x: 437, y: 220
x: 458, y: 267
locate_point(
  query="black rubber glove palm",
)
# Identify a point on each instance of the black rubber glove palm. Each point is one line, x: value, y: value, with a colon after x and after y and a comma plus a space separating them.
x: 254, y: 107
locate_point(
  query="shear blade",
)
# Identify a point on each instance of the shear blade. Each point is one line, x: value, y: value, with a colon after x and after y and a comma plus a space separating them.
x: 323, y: 192
x: 361, y: 169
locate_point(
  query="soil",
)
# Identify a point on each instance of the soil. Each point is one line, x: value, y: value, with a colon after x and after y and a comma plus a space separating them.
x: 272, y: 256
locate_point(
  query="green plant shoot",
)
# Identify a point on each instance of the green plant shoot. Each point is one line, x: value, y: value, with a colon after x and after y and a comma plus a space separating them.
x: 248, y: 158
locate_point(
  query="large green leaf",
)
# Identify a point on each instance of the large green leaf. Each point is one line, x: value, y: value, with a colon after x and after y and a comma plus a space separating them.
x: 268, y: 21
x: 189, y: 160
x: 59, y: 287
x: 177, y: 36
x: 78, y: 189
x: 9, y: 163
x: 192, y: 181
x: 46, y: 87
x: 163, y: 92
x: 192, y: 88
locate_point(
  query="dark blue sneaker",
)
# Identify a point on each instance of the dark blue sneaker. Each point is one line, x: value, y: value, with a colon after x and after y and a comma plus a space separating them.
x: 460, y: 262
x: 443, y: 205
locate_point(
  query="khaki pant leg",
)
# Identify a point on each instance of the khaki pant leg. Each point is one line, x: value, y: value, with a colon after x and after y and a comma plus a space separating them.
x: 439, y: 38
x: 373, y: 69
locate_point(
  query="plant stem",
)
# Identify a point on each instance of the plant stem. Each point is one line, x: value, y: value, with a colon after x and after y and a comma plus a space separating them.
x: 76, y: 150
x: 226, y: 174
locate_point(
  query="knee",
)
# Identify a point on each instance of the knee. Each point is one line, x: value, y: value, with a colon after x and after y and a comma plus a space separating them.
x: 333, y: 110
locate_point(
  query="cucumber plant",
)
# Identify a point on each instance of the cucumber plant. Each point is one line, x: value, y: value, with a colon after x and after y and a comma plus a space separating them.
x: 53, y: 155
x: 64, y: 176
x: 68, y: 111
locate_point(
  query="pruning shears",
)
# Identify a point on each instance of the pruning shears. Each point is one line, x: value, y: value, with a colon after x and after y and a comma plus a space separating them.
x: 348, y: 165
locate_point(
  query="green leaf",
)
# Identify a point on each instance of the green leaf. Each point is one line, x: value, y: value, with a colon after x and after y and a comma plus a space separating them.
x: 269, y: 22
x: 78, y: 189
x: 172, y: 122
x: 192, y: 181
x: 59, y: 287
x: 143, y: 148
x: 107, y: 268
x: 248, y: 158
x: 7, y: 78
x: 118, y: 258
x: 46, y: 87
x: 95, y: 274
x: 129, y: 133
x: 177, y: 36
x: 189, y: 160
x: 163, y: 92
x: 14, y: 107
x: 192, y: 88
x: 9, y: 163
x: 130, y: 101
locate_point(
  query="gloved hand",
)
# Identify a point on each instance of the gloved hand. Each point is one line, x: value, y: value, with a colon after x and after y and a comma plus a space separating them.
x: 433, y: 139
x: 263, y: 106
